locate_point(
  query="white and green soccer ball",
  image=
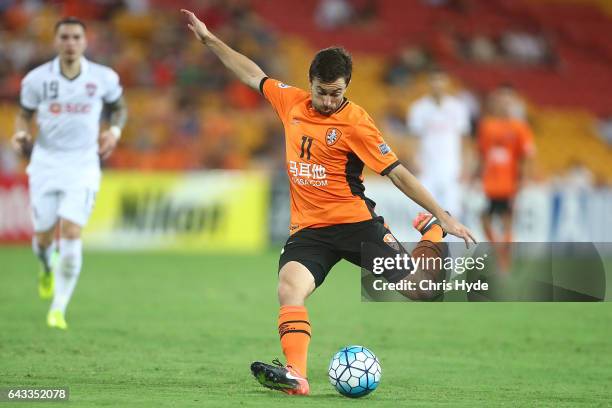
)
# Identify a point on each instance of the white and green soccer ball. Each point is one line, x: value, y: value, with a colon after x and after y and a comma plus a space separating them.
x: 354, y: 371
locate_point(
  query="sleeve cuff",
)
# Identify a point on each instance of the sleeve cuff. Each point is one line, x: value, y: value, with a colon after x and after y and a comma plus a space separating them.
x: 113, y: 101
x: 27, y: 108
x: 390, y: 167
x: 261, y: 85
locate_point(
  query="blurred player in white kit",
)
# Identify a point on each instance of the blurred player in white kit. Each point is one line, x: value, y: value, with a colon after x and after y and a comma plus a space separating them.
x: 440, y: 121
x: 67, y: 95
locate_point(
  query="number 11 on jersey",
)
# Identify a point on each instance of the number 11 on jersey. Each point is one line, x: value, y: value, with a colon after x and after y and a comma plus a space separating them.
x: 306, y: 144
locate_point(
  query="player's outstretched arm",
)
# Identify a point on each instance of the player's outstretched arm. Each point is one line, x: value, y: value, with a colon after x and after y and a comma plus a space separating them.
x: 246, y: 70
x: 22, y: 139
x: 409, y: 185
x: 110, y: 137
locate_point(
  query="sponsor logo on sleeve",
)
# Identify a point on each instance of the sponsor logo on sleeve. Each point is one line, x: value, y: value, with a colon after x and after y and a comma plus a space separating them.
x: 281, y: 85
x: 384, y: 148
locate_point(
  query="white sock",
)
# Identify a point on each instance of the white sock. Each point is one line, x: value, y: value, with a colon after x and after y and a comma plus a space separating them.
x: 67, y: 274
x: 44, y: 254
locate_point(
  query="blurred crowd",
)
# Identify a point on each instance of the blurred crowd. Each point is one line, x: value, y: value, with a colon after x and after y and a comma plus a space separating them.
x: 183, y: 102
x: 187, y: 111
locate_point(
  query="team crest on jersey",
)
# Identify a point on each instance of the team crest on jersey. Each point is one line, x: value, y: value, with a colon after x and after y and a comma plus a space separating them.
x: 390, y: 240
x: 91, y: 88
x: 332, y: 136
x: 281, y: 85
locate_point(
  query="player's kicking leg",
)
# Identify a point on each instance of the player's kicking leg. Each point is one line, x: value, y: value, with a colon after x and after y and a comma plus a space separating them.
x: 296, y: 283
x: 66, y: 273
x: 431, y: 245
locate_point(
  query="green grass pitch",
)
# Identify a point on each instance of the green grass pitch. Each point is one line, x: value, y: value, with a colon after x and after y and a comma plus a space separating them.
x: 181, y: 330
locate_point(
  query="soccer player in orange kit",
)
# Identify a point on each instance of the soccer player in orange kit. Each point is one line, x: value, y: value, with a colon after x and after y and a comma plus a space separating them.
x: 328, y: 139
x: 506, y: 149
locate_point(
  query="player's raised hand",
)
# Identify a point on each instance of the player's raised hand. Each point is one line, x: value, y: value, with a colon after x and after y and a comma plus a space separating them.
x: 198, y: 27
x: 454, y: 227
x: 22, y: 143
x: 108, y: 142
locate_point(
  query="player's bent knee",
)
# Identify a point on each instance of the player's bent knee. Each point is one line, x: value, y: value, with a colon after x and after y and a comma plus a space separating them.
x: 295, y: 284
x: 71, y: 233
x: 70, y: 230
x: 45, y: 238
x: 289, y: 295
x: 292, y: 294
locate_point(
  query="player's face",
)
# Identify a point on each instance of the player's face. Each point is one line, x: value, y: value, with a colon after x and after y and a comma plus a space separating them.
x: 70, y: 41
x: 327, y: 96
x: 438, y: 83
x: 503, y: 102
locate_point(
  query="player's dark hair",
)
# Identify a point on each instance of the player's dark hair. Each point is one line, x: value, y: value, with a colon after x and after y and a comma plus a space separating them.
x: 506, y: 86
x: 330, y: 64
x: 69, y: 20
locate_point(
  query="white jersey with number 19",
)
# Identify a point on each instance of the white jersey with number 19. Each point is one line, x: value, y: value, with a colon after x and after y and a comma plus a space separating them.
x: 68, y: 117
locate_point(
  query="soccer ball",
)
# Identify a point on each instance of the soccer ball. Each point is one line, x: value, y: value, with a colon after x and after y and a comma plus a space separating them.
x: 354, y: 371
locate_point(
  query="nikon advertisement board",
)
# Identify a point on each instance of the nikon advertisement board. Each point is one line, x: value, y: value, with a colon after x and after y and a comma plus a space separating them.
x: 214, y: 210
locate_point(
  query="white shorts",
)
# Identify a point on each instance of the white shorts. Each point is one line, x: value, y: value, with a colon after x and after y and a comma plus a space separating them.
x: 48, y: 206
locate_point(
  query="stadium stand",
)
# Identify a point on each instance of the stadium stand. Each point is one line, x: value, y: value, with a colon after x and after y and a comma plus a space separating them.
x: 188, y: 113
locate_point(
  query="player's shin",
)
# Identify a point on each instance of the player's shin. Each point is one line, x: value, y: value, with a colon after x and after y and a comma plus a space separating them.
x: 431, y: 269
x: 430, y: 253
x: 294, y: 331
x: 43, y: 253
x: 70, y: 262
x: 488, y: 228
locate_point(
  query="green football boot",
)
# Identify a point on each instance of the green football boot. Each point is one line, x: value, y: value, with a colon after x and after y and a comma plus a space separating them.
x: 56, y: 320
x: 45, y: 277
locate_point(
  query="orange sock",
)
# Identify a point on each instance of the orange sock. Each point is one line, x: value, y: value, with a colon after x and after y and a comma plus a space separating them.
x: 294, y: 331
x: 434, y: 234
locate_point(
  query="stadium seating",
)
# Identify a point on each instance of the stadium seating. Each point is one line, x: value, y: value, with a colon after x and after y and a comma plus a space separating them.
x: 565, y: 131
x: 564, y: 97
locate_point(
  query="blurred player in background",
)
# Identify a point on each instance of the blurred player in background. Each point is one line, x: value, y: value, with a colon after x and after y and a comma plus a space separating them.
x: 328, y: 141
x: 506, y: 150
x: 440, y: 121
x: 67, y: 95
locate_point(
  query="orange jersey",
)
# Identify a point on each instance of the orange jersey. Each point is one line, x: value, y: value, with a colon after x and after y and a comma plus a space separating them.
x: 325, y: 156
x: 503, y: 143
